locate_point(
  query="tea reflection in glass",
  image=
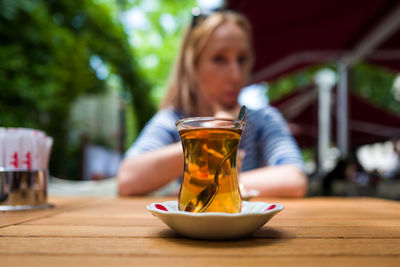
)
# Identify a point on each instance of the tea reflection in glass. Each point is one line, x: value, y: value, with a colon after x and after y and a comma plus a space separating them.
x: 210, y: 182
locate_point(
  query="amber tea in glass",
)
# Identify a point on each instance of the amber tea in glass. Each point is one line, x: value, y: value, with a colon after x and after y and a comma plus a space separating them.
x: 210, y: 182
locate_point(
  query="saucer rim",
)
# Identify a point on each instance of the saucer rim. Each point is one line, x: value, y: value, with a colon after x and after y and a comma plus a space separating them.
x: 278, y: 207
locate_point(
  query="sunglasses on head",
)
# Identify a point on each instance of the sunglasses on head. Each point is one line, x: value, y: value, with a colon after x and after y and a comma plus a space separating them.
x: 199, y: 15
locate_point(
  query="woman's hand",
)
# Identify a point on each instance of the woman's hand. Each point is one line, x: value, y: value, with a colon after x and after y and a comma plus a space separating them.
x: 221, y: 112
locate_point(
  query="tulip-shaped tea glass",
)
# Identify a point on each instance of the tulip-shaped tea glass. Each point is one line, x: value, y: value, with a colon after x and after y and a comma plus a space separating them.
x: 210, y: 182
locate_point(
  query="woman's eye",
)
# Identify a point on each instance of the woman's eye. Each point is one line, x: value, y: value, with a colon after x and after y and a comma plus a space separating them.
x: 219, y: 59
x: 242, y: 59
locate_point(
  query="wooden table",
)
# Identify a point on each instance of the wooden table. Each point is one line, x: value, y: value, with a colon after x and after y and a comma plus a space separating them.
x: 121, y: 232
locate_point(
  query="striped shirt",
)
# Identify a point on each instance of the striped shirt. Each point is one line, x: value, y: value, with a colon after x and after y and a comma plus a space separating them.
x: 266, y: 139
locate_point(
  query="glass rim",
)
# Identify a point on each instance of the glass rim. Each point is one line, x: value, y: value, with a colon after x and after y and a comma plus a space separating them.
x: 204, y: 119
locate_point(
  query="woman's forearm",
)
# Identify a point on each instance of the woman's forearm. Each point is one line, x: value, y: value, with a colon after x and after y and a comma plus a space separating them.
x: 150, y: 171
x: 276, y: 181
x: 145, y: 173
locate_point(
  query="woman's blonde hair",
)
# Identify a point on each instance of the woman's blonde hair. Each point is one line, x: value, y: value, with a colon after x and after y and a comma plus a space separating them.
x: 181, y: 90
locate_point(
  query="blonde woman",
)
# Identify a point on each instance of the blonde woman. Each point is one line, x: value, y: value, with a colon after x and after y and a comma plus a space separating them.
x: 213, y: 65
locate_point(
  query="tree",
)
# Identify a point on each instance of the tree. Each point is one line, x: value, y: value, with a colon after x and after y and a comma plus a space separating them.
x: 45, y: 53
x: 155, y: 36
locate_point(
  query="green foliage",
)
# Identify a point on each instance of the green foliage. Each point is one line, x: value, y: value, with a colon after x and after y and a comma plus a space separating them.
x: 157, y: 41
x: 45, y: 50
x: 289, y: 83
x: 375, y: 84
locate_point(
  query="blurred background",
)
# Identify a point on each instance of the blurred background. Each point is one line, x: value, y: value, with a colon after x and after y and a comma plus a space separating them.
x: 90, y: 74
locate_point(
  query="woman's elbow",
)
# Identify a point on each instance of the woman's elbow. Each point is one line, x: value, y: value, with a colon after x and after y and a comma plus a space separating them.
x: 128, y: 186
x: 126, y: 181
x: 300, y: 185
x: 123, y: 186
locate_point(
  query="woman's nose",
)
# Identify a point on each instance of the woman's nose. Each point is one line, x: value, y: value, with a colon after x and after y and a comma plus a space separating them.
x: 235, y: 72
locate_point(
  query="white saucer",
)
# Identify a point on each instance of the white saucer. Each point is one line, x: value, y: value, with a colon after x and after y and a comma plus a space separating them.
x: 215, y: 225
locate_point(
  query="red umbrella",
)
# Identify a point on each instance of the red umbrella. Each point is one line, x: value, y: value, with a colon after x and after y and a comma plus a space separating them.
x: 291, y: 34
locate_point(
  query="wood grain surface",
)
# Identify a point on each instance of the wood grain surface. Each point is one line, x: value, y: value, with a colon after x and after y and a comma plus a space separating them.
x: 102, y: 231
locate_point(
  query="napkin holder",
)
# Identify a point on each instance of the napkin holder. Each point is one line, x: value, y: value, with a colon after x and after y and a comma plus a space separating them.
x: 24, y: 155
x: 23, y: 189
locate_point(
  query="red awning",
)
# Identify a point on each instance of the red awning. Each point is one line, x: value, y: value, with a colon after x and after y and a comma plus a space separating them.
x: 291, y: 34
x: 367, y: 123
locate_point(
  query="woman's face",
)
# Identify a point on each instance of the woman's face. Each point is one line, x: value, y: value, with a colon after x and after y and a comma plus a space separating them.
x: 223, y: 66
